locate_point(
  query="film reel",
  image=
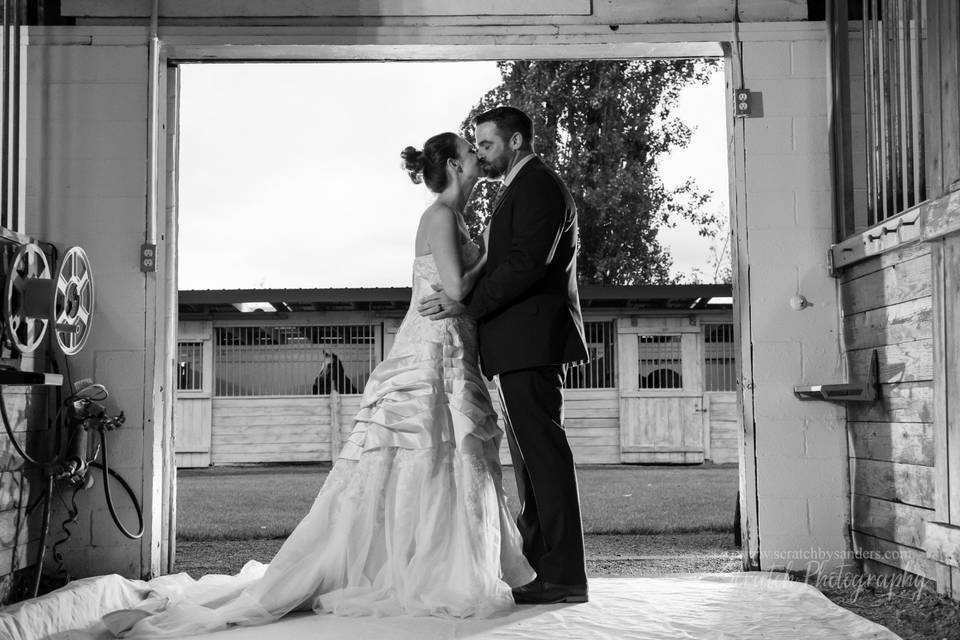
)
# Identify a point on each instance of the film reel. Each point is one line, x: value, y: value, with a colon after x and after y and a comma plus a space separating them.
x: 27, y: 298
x: 33, y: 300
x: 73, y: 301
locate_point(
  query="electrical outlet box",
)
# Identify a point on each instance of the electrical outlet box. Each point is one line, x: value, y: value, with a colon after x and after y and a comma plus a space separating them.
x: 742, y: 101
x: 148, y: 257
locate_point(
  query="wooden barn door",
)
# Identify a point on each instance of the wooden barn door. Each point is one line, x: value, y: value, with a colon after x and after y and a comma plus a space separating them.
x: 192, y: 417
x: 661, y: 391
x: 942, y: 536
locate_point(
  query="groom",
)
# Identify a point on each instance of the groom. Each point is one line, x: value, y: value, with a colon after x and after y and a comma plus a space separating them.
x: 528, y: 312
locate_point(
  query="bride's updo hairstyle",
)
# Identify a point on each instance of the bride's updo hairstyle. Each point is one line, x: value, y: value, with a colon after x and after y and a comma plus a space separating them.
x: 429, y: 165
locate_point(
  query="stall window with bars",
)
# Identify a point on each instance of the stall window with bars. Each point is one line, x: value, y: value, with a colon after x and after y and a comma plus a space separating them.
x: 599, y: 371
x: 893, y: 88
x: 190, y: 366
x: 720, y: 363
x: 661, y: 363
x: 299, y: 360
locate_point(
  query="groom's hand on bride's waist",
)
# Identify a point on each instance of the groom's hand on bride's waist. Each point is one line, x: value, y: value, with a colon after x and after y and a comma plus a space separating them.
x: 439, y: 305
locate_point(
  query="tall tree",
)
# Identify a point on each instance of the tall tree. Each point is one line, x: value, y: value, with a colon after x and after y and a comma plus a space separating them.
x: 603, y: 124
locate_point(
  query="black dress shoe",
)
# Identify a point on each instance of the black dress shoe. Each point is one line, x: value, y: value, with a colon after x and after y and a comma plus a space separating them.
x: 541, y: 592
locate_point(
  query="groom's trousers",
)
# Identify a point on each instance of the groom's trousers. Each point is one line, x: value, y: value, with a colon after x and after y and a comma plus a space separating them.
x: 549, y: 519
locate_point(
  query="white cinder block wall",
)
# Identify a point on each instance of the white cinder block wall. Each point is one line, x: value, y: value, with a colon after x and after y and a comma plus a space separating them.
x: 801, y: 449
x: 86, y: 182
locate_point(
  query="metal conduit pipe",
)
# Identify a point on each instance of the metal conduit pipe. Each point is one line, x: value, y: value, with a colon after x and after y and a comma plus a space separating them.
x: 4, y: 128
x: 152, y: 139
x: 13, y: 208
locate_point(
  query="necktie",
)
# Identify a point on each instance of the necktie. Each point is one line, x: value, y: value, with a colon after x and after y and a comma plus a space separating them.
x: 499, y: 196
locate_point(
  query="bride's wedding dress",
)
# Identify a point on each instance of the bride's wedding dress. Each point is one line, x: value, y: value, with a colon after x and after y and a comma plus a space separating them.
x: 412, y: 517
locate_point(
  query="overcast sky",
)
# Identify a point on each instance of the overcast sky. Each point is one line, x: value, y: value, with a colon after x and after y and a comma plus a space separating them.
x: 290, y: 174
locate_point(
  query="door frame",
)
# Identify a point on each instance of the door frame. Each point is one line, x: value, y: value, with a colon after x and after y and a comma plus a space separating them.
x: 180, y: 45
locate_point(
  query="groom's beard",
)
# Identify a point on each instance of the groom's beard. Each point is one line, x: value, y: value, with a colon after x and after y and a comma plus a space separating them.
x: 493, y: 172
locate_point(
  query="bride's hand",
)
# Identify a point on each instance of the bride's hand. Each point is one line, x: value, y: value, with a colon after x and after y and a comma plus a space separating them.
x: 439, y: 305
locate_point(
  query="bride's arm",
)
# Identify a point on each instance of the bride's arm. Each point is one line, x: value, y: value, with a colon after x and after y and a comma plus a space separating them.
x: 443, y: 237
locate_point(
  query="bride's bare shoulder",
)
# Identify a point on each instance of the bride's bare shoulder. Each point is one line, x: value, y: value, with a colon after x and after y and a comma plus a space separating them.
x: 437, y: 211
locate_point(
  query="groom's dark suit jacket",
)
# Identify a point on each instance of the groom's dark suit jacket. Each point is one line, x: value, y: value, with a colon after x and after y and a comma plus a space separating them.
x: 526, y: 303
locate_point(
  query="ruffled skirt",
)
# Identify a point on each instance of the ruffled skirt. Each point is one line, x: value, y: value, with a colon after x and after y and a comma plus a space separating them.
x: 411, y: 520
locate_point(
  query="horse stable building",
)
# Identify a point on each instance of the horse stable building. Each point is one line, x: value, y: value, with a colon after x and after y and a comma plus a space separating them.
x: 843, y: 138
x: 276, y: 375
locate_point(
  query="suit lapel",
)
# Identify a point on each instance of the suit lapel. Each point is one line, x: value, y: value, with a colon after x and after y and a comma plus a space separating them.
x: 505, y: 191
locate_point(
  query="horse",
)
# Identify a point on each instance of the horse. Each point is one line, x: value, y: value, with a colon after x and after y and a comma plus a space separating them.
x: 661, y: 379
x: 332, y: 377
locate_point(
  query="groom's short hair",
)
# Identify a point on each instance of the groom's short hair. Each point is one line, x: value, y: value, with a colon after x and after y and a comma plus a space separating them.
x: 509, y: 120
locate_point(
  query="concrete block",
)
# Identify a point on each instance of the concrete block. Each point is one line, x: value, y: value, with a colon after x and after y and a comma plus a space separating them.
x: 765, y: 60
x: 128, y: 399
x: 120, y: 559
x: 772, y: 134
x: 112, y: 331
x: 789, y: 476
x: 125, y: 445
x: 822, y: 362
x: 100, y: 139
x: 122, y: 292
x: 805, y: 554
x: 810, y: 134
x: 796, y: 171
x: 808, y: 59
x: 66, y: 221
x: 793, y: 96
x: 771, y: 209
x: 776, y: 367
x: 780, y: 435
x: 87, y: 64
x: 106, y: 178
x: 801, y: 244
x: 825, y: 437
x: 784, y: 516
x: 814, y: 208
x: 118, y: 369
x: 90, y: 103
x: 103, y: 531
x: 829, y: 515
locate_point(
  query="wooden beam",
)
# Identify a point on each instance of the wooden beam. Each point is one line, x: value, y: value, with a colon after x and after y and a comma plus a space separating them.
x: 932, y: 102
x: 910, y: 280
x: 609, y: 11
x: 907, y: 483
x: 891, y: 554
x: 910, y: 443
x: 940, y: 406
x: 894, y: 324
x: 940, y: 217
x: 900, y: 523
x: 319, y: 8
x: 904, y: 362
x: 942, y: 543
x: 838, y: 118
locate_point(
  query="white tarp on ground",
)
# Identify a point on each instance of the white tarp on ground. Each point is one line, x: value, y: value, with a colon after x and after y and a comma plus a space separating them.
x: 741, y: 606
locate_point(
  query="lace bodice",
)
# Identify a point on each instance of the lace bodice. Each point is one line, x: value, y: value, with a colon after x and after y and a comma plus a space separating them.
x: 416, y: 331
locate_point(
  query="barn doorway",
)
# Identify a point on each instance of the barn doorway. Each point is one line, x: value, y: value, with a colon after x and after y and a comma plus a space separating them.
x: 624, y: 420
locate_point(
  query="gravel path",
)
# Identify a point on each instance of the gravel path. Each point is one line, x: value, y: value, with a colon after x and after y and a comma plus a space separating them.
x: 607, y: 555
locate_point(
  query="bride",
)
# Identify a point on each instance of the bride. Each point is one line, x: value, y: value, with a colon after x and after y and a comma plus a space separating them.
x: 412, y: 518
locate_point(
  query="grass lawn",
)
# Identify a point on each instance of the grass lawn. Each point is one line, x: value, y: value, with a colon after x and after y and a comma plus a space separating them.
x: 245, y: 503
